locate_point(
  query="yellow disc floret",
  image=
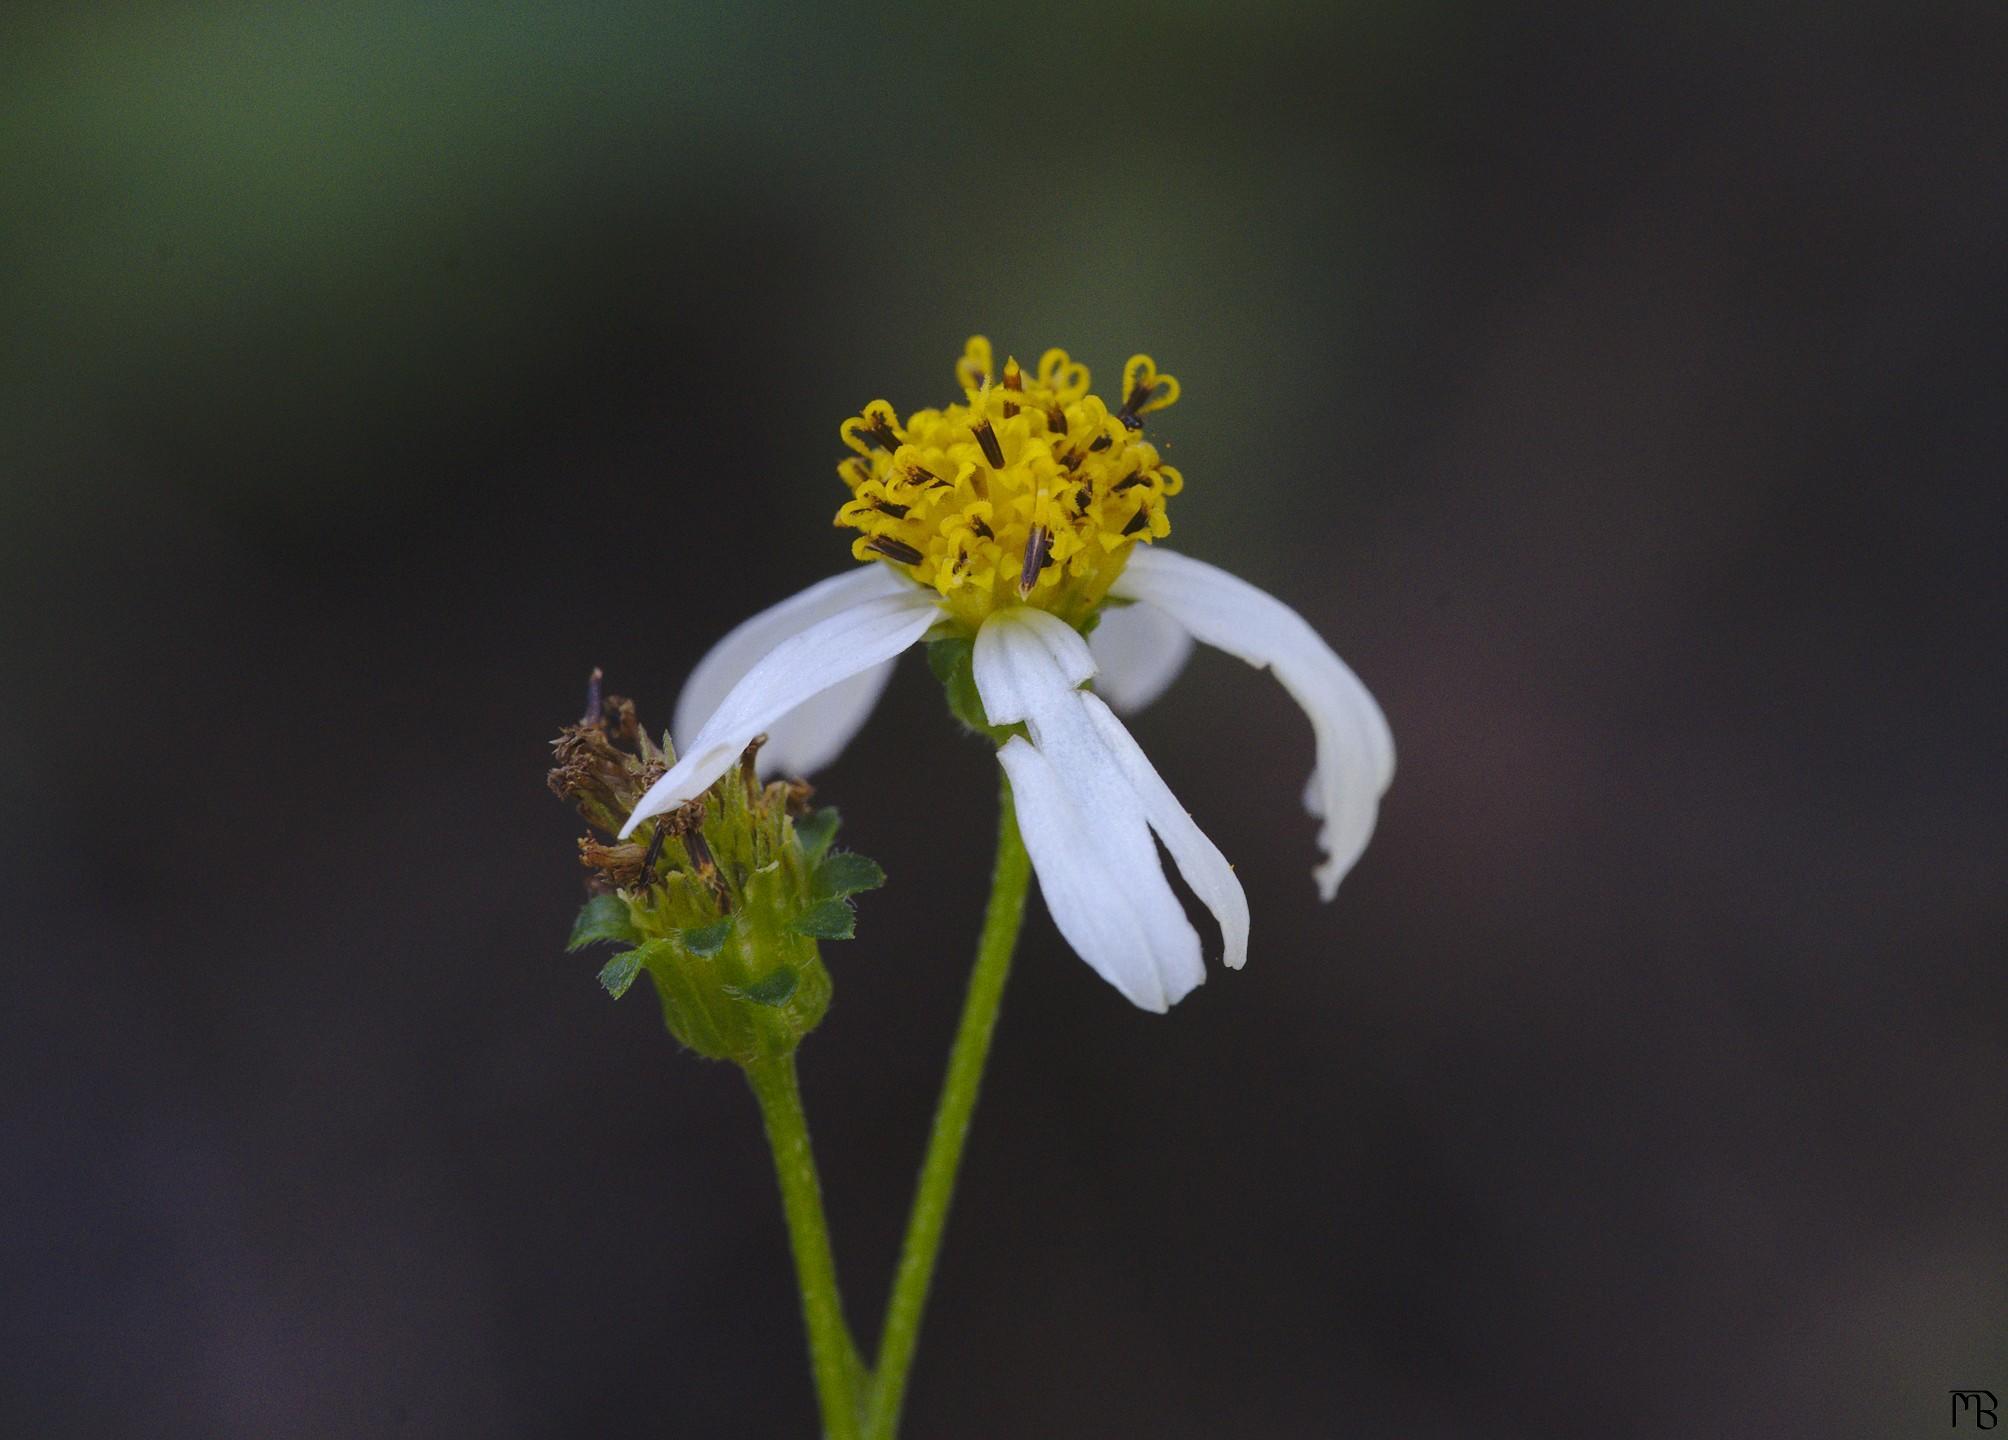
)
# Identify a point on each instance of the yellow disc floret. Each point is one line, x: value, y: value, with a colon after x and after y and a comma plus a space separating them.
x: 1029, y: 492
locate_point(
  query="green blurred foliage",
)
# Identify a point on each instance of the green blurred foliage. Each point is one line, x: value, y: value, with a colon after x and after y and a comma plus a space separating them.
x: 232, y: 226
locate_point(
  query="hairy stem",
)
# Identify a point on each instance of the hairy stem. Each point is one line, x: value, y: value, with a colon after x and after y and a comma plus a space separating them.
x: 833, y: 1355
x: 1008, y: 885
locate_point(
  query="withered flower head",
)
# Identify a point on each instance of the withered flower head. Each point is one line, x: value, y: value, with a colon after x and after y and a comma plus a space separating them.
x: 605, y: 761
x: 724, y: 897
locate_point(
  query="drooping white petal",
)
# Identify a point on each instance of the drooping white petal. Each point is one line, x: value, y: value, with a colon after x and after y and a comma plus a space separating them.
x: 810, y: 736
x: 797, y: 670
x: 1079, y: 878
x: 1140, y: 651
x: 1094, y: 847
x: 1355, y: 752
x: 1199, y: 860
x: 1028, y: 666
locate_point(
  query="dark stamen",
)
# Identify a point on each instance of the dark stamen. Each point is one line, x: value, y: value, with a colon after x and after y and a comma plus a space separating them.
x: 653, y: 854
x: 982, y: 529
x: 894, y: 549
x: 919, y: 473
x: 987, y: 438
x: 1014, y: 379
x: 888, y: 507
x: 1038, y: 555
x: 594, y: 714
x: 1122, y: 485
x: 881, y: 433
x: 1137, y: 396
x: 1081, y: 498
x: 700, y: 852
x: 1102, y: 442
x: 1137, y: 521
x: 1056, y: 420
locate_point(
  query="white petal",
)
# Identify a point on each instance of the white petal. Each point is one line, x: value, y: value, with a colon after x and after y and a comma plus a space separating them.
x: 797, y: 670
x: 810, y: 737
x: 1095, y: 838
x: 1355, y: 750
x: 1028, y: 667
x: 1199, y: 860
x: 1025, y: 658
x: 1140, y: 651
x: 1079, y: 876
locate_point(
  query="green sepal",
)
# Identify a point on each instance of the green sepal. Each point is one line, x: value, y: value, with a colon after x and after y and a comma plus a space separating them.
x: 619, y: 973
x: 816, y: 830
x: 773, y: 989
x: 605, y: 917
x: 945, y: 656
x: 707, y: 940
x: 845, y: 872
x: 830, y: 919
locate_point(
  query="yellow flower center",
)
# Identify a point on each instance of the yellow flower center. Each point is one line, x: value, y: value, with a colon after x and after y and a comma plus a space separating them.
x: 1029, y: 492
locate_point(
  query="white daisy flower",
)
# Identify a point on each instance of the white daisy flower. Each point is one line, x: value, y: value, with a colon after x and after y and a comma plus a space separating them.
x: 1018, y: 519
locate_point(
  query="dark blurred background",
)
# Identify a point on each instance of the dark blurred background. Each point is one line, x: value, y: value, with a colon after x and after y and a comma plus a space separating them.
x: 1622, y: 393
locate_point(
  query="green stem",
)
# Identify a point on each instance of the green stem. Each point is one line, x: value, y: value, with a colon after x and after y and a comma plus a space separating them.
x: 1008, y: 885
x: 833, y: 1355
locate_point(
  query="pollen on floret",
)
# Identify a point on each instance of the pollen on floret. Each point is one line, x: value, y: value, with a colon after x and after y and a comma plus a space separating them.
x: 1029, y: 490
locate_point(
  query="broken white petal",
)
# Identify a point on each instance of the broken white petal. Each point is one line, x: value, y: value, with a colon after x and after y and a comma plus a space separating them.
x: 1199, y: 860
x: 1028, y: 667
x: 1080, y: 876
x: 1355, y: 752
